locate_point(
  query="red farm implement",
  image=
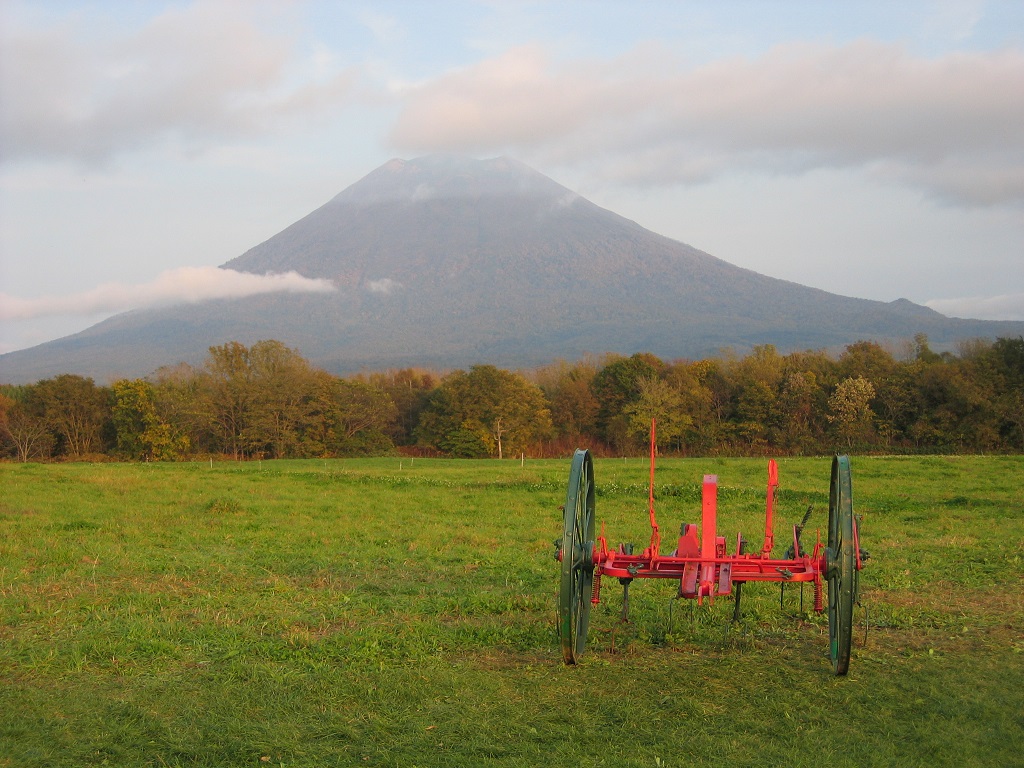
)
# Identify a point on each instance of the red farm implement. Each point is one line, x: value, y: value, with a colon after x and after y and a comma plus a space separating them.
x: 701, y: 563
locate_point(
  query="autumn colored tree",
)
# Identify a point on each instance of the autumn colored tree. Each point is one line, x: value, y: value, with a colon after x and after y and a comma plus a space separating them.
x: 850, y: 409
x: 180, y: 399
x: 710, y: 404
x: 757, y: 379
x: 141, y: 433
x: 409, y: 390
x: 355, y: 417
x: 695, y: 417
x: 280, y: 386
x: 615, y: 386
x: 485, y: 411
x: 658, y: 400
x: 955, y: 406
x: 442, y: 426
x: 1003, y: 365
x: 6, y: 403
x: 23, y: 423
x: 797, y: 403
x: 75, y: 410
x: 573, y: 406
x: 922, y: 350
x: 868, y: 359
x: 227, y: 395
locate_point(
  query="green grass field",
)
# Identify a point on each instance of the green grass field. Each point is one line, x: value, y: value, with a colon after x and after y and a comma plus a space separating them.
x: 397, y: 613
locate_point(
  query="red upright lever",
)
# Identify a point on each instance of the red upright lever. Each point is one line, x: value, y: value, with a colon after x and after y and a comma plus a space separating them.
x: 655, y: 533
x: 769, y: 530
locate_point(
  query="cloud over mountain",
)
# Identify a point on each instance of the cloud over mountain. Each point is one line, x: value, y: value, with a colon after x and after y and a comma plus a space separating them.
x: 188, y: 284
x: 945, y: 124
x: 204, y: 75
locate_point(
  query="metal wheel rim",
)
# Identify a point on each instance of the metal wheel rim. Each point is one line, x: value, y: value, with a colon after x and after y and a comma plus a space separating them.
x: 841, y: 565
x: 577, y: 573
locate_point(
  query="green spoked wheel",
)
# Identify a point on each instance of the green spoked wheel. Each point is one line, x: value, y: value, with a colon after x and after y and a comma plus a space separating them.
x: 841, y: 565
x: 577, y: 558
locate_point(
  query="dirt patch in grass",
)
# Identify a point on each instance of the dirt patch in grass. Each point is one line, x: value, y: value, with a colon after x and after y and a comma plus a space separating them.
x: 500, y: 659
x: 945, y: 597
x: 6, y: 510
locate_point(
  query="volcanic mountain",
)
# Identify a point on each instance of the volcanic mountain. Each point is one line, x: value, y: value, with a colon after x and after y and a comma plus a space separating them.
x: 447, y: 261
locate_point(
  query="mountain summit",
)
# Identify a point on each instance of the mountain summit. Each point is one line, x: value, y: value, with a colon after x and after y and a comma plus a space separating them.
x: 446, y: 261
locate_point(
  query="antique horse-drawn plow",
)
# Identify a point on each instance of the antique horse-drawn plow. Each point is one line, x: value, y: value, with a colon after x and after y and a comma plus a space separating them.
x: 701, y: 563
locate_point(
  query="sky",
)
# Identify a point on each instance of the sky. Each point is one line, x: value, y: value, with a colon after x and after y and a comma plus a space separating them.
x: 870, y: 149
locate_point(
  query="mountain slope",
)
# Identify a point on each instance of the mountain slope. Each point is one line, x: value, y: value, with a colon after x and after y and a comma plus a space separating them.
x: 445, y: 261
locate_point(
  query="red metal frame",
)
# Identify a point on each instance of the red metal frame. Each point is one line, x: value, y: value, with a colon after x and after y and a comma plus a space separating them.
x: 702, y: 565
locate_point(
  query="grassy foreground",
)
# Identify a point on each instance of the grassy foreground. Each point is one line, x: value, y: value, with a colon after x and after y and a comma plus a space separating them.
x: 382, y: 612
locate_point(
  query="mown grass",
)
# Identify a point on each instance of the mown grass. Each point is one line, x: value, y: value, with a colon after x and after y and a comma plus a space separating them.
x: 382, y: 612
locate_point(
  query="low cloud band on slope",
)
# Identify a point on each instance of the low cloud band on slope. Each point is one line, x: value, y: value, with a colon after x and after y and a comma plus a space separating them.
x: 187, y: 284
x: 1005, y: 307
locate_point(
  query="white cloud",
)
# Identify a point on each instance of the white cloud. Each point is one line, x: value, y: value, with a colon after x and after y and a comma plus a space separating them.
x: 567, y: 200
x: 1006, y: 307
x: 384, y: 286
x: 949, y: 124
x: 209, y: 72
x: 191, y: 74
x: 423, y: 192
x: 187, y: 284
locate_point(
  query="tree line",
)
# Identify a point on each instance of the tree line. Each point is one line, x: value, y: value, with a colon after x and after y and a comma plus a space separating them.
x: 267, y: 401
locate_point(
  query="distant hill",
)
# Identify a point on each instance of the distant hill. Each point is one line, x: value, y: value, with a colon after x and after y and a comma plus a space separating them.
x: 447, y: 261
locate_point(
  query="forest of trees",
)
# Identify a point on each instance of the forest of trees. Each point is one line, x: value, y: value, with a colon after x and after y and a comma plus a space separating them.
x: 267, y: 401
